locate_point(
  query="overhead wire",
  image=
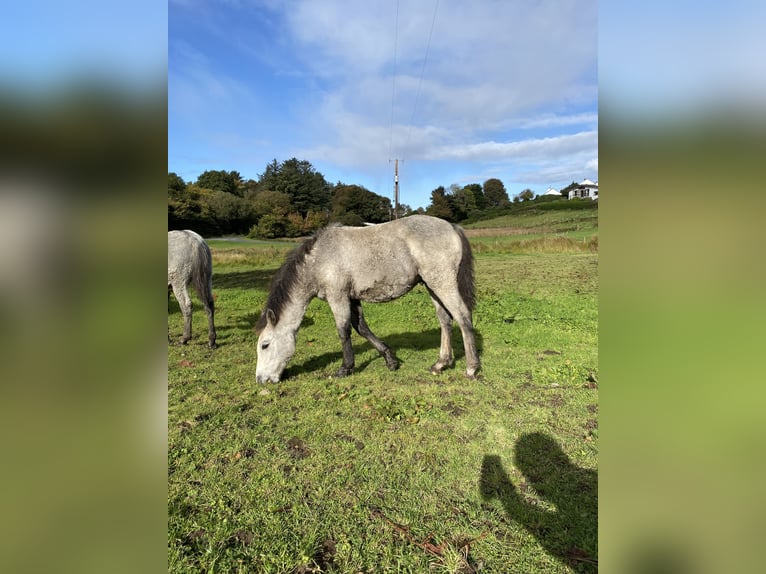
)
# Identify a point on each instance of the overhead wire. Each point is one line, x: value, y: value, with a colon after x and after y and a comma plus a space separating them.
x: 393, y: 82
x: 420, y: 80
x: 422, y: 73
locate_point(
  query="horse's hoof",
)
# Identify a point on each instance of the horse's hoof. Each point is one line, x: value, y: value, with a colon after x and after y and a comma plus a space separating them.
x: 392, y: 364
x: 212, y: 345
x: 344, y: 372
x: 438, y: 367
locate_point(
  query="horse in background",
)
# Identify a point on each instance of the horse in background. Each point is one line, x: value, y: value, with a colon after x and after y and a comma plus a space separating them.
x: 347, y: 265
x: 190, y: 261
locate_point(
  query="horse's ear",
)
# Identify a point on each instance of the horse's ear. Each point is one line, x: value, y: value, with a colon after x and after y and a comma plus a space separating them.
x: 271, y: 318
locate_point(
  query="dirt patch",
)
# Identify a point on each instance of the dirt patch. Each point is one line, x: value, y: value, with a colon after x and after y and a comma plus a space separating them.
x: 556, y: 401
x: 297, y: 448
x: 359, y: 445
x: 323, y: 559
x: 453, y: 409
x: 195, y: 539
x: 240, y: 537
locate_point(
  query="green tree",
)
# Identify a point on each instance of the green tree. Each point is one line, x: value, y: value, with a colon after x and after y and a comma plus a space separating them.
x: 191, y: 209
x: 526, y: 195
x: 232, y: 213
x: 495, y: 194
x: 440, y: 204
x: 565, y: 192
x: 462, y: 202
x: 369, y: 206
x: 478, y: 195
x: 220, y: 180
x: 307, y: 188
x: 314, y: 220
x: 270, y: 226
x: 270, y: 202
x: 405, y: 210
x: 176, y: 185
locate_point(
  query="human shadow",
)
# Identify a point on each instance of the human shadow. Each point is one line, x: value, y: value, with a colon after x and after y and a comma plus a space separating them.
x: 570, y: 532
x: 419, y: 340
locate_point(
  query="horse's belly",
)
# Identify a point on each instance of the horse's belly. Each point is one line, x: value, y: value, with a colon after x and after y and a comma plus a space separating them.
x: 381, y: 291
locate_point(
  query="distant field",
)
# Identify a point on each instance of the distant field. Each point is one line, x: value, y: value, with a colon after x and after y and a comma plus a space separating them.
x: 534, y: 231
x: 395, y: 471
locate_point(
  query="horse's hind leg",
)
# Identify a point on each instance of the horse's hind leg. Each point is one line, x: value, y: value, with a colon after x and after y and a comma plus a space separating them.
x: 207, y: 303
x: 445, y: 350
x: 361, y: 327
x: 210, y: 310
x: 185, y: 303
x: 454, y: 305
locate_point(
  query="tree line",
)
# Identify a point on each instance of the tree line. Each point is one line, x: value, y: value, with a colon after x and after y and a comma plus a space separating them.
x: 289, y: 199
x: 292, y: 199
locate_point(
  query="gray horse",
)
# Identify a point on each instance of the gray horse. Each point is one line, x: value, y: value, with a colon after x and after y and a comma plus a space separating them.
x: 189, y: 261
x: 347, y: 265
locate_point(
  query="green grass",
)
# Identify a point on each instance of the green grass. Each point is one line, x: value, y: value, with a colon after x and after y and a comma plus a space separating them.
x: 537, y: 231
x: 390, y: 471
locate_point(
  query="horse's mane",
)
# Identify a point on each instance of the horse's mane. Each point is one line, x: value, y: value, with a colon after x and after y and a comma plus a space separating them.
x: 283, y: 281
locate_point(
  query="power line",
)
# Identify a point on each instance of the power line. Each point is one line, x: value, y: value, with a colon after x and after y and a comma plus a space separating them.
x: 393, y: 81
x: 422, y: 73
x: 417, y: 97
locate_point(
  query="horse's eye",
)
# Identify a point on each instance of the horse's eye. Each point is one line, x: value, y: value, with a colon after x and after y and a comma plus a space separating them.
x: 264, y: 346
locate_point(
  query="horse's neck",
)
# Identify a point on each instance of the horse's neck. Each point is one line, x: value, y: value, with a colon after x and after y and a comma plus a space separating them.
x: 293, y: 312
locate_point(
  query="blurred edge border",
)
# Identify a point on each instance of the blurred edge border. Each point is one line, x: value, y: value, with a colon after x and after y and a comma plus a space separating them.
x: 83, y: 412
x: 83, y: 162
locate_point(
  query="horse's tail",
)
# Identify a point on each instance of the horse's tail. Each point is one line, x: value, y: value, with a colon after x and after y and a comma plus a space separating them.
x: 202, y: 275
x: 465, y: 272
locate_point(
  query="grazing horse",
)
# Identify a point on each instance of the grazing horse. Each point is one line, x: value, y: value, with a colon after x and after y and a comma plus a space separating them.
x: 347, y: 265
x: 189, y: 261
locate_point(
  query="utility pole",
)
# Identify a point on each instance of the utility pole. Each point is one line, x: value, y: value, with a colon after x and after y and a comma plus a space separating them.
x: 396, y: 188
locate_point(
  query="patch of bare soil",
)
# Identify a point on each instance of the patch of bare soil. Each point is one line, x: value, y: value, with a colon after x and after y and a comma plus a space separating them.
x: 297, y: 448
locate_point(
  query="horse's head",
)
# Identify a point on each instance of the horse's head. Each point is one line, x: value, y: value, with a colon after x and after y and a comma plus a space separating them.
x: 276, y: 345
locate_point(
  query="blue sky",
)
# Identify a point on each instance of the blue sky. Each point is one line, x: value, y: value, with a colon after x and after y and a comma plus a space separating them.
x: 508, y: 90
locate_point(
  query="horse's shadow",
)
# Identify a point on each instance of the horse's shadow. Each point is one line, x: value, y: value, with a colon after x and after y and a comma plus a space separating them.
x: 419, y: 340
x: 258, y: 279
x: 570, y: 532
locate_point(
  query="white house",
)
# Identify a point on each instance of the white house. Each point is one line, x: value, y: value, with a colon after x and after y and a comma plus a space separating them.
x: 586, y: 188
x: 551, y: 191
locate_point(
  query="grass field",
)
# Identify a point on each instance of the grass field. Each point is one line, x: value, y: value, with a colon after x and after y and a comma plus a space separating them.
x: 394, y: 471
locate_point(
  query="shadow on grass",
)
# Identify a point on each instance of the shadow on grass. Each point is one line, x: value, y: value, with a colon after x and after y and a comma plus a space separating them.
x: 257, y: 279
x: 419, y: 340
x: 570, y: 532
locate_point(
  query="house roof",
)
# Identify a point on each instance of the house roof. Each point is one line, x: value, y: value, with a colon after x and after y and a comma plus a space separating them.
x: 586, y: 181
x: 551, y: 191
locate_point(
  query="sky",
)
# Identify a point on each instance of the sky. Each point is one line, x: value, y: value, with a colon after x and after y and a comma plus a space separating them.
x: 458, y: 92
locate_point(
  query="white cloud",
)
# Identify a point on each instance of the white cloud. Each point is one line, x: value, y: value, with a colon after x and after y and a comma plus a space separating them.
x: 494, y: 70
x: 533, y: 149
x: 486, y: 60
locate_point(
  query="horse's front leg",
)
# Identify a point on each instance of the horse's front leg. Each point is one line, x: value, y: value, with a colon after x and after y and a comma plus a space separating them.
x: 341, y: 309
x: 358, y: 323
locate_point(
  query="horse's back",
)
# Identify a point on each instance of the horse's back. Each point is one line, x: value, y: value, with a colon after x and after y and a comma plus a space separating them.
x: 382, y: 262
x: 187, y: 251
